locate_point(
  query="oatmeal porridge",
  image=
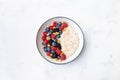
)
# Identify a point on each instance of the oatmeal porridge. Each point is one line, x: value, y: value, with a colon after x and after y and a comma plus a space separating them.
x: 69, y: 41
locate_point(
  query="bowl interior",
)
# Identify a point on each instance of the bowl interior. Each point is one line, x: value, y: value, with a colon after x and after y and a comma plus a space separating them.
x: 75, y: 27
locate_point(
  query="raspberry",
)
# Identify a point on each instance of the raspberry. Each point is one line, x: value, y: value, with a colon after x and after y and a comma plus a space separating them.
x: 53, y: 36
x: 48, y: 53
x: 46, y: 41
x: 53, y: 48
x: 63, y: 56
x: 61, y: 28
x: 65, y: 24
x: 58, y: 51
x: 51, y: 27
x: 45, y: 33
x: 43, y: 38
x: 55, y: 23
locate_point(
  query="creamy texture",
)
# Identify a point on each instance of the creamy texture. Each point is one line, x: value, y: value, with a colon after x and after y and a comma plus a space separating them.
x: 69, y: 41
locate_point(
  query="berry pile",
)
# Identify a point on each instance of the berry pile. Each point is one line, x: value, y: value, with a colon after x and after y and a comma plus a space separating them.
x: 51, y: 43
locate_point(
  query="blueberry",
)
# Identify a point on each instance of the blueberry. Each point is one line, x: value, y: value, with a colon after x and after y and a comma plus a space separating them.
x: 48, y: 49
x: 55, y: 40
x: 45, y: 49
x: 47, y: 29
x: 53, y: 52
x: 50, y: 32
x: 59, y: 24
x: 60, y: 32
x: 44, y: 44
x: 56, y: 30
x: 54, y: 55
x: 58, y: 36
x: 53, y: 43
x: 58, y: 46
x: 50, y: 41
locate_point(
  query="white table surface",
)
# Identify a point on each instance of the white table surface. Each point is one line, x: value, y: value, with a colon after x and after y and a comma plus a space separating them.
x: 21, y: 19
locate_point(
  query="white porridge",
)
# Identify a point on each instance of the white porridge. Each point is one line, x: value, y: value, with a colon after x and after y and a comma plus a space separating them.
x: 69, y: 41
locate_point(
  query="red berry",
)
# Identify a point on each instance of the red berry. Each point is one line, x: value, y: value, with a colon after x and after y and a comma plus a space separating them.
x: 65, y: 24
x: 46, y: 41
x: 44, y: 38
x: 58, y: 51
x: 63, y: 56
x: 55, y: 23
x: 53, y: 47
x: 61, y: 28
x: 48, y: 53
x: 53, y: 36
x: 45, y: 33
x: 51, y: 27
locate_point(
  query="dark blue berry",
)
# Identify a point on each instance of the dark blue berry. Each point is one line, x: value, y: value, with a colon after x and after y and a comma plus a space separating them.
x: 56, y: 30
x: 54, y: 55
x: 50, y: 32
x: 47, y: 29
x: 55, y: 40
x: 58, y: 36
x: 44, y: 44
x: 58, y: 46
x: 53, y: 52
x: 59, y: 24
x: 50, y: 41
x: 45, y: 49
x: 53, y: 43
x: 48, y: 49
x: 60, y: 32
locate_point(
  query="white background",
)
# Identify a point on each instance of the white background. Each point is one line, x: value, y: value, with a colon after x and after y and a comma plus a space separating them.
x: 21, y: 19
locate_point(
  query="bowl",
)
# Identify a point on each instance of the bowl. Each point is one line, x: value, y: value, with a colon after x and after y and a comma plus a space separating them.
x: 76, y: 28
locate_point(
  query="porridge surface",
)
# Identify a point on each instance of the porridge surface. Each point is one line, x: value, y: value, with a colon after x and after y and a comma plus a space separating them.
x: 69, y: 41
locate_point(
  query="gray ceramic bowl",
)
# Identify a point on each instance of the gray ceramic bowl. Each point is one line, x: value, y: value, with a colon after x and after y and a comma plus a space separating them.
x: 71, y: 23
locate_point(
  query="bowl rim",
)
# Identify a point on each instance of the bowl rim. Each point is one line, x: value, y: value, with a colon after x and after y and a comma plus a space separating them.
x: 68, y: 61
